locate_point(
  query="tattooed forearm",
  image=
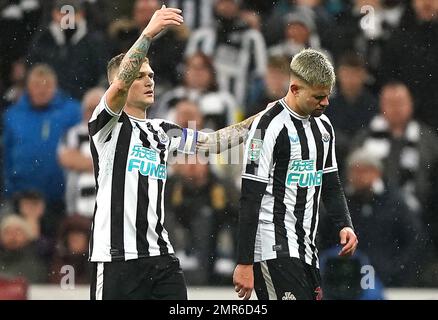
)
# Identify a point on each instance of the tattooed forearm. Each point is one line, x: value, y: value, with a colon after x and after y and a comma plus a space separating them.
x: 133, y: 60
x: 225, y: 138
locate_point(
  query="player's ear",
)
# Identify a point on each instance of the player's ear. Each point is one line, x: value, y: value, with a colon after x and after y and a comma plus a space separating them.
x: 294, y: 88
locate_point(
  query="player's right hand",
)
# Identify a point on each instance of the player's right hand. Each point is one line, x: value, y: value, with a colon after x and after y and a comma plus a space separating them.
x: 161, y: 19
x: 243, y: 279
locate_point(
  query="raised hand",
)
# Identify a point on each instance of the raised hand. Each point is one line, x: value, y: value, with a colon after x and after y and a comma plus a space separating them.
x: 161, y: 19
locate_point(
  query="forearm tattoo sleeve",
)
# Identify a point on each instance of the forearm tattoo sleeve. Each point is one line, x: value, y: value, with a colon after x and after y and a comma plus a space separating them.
x: 133, y: 60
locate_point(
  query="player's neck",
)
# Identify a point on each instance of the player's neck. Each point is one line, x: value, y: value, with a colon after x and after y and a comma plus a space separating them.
x: 135, y: 112
x: 292, y: 104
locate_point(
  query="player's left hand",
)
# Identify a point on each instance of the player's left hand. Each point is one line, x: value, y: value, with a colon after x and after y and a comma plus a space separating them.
x: 348, y: 241
x: 243, y: 279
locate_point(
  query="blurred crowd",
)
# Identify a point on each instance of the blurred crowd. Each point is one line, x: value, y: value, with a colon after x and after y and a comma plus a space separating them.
x: 229, y: 59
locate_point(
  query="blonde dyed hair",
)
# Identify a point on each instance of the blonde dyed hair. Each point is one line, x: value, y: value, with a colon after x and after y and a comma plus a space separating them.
x: 314, y: 68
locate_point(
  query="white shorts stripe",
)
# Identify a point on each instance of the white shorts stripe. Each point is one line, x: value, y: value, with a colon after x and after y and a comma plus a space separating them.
x: 268, y: 280
x: 99, y: 281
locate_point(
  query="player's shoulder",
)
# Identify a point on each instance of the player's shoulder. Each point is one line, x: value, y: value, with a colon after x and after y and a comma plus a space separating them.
x: 164, y: 124
x: 271, y: 112
x: 326, y: 119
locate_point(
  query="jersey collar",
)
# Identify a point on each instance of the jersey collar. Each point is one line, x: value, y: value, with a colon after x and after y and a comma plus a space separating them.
x: 293, y: 113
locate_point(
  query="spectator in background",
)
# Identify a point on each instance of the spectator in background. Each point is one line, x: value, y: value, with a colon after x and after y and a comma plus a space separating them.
x: 18, y: 256
x: 166, y: 51
x: 364, y: 27
x: 323, y: 21
x: 219, y: 108
x: 299, y: 33
x: 410, y: 56
x: 31, y: 206
x: 196, y: 14
x: 32, y: 129
x: 188, y: 115
x: 72, y: 250
x: 203, y: 218
x: 391, y: 234
x: 74, y: 155
x: 96, y: 13
x: 261, y: 8
x: 121, y: 32
x: 17, y: 82
x: 238, y: 52
x: 19, y: 20
x: 407, y: 148
x: 273, y: 87
x: 353, y: 105
x: 75, y: 54
x: 251, y: 17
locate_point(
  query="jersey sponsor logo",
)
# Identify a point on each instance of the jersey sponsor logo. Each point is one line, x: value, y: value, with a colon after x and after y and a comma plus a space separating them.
x: 141, y: 152
x: 294, y: 139
x: 288, y: 296
x: 303, y: 174
x: 144, y: 160
x: 325, y: 137
x: 255, y: 148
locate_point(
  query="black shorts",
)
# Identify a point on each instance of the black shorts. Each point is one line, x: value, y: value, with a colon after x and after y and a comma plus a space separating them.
x: 152, y: 278
x: 286, y: 279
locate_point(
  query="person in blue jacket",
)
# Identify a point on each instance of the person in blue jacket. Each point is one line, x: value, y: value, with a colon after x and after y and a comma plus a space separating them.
x: 31, y: 130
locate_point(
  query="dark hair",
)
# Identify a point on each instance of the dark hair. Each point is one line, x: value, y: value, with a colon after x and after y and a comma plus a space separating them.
x: 26, y: 195
x: 30, y: 194
x: 352, y: 59
x: 393, y: 83
x: 208, y: 62
x: 76, y: 4
x: 280, y: 63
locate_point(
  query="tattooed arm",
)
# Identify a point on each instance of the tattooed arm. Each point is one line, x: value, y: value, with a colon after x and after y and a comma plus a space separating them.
x: 129, y: 68
x: 225, y: 138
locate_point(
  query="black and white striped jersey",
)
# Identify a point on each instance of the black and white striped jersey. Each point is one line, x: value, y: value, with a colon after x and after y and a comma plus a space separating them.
x: 196, y: 13
x: 289, y: 154
x: 238, y: 60
x: 80, y: 191
x: 130, y: 157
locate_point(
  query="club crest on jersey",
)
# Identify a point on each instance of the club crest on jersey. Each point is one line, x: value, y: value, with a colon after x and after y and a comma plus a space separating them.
x: 162, y: 136
x: 255, y: 148
x: 325, y: 137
